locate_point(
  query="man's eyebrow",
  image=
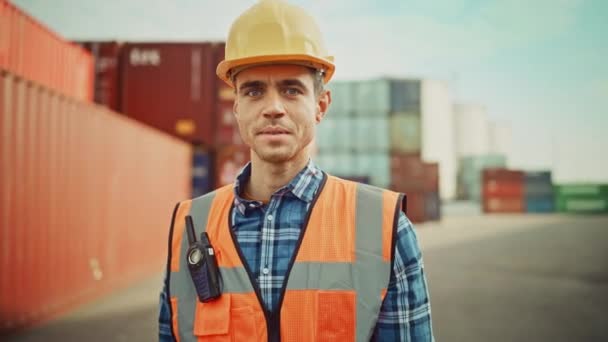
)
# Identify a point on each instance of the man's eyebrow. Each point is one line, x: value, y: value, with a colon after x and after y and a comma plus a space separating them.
x: 252, y: 84
x: 291, y: 82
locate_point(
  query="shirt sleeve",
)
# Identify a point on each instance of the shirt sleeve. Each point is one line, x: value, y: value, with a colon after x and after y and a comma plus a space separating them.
x: 405, y: 314
x: 164, y: 316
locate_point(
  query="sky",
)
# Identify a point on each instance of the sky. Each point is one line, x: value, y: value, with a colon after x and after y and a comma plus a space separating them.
x: 537, y: 66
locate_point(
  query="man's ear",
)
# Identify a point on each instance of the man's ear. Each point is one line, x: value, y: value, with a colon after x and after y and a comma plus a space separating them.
x: 235, y: 107
x: 323, y: 102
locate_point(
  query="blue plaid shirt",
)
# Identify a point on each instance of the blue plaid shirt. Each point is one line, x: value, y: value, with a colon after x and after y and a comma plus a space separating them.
x: 268, y: 234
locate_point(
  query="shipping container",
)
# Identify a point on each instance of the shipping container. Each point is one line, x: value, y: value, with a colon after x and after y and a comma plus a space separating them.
x: 433, y: 206
x: 470, y: 177
x: 342, y: 99
x: 229, y: 161
x: 335, y: 134
x: 432, y: 179
x: 503, y: 205
x: 201, y: 171
x: 540, y: 204
x: 502, y: 183
x: 102, y: 188
x: 437, y: 138
x: 31, y: 50
x: 471, y: 130
x: 172, y: 87
x: 581, y: 198
x: 371, y: 134
x: 372, y: 97
x: 405, y: 133
x: 106, y: 56
x: 375, y: 165
x: 538, y: 184
x: 408, y: 172
x: 416, y: 210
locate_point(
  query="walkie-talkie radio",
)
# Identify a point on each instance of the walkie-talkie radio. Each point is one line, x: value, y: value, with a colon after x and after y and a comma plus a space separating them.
x: 202, y: 265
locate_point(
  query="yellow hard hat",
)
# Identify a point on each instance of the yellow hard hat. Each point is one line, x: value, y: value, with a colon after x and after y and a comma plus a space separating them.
x: 274, y: 32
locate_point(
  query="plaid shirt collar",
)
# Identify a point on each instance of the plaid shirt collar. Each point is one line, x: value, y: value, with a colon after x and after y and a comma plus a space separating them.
x: 303, y: 186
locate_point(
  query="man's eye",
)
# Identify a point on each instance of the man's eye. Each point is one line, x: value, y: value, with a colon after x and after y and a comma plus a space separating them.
x: 292, y: 91
x: 254, y: 93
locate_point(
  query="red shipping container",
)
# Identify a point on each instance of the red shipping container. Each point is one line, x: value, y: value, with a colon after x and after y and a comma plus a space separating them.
x: 70, y: 163
x: 31, y: 50
x: 106, y: 56
x: 226, y: 130
x: 171, y: 86
x: 229, y: 160
x: 408, y: 171
x: 431, y: 172
x: 503, y: 205
x: 503, y: 183
x: 416, y: 202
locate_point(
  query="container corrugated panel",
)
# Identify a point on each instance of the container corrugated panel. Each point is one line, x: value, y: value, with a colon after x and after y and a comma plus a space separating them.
x: 375, y: 165
x: 408, y: 172
x: 106, y: 55
x: 372, y: 97
x: 70, y: 163
x: 371, y: 134
x: 342, y: 99
x: 172, y: 87
x: 433, y: 206
x: 540, y: 204
x: 229, y: 161
x: 581, y: 190
x: 335, y: 134
x: 341, y: 164
x: 503, y: 205
x: 201, y: 171
x: 405, y: 95
x: 582, y: 204
x: 405, y: 133
x: 31, y: 50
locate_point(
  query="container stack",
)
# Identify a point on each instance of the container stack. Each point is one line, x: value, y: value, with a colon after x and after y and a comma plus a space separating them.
x: 373, y: 131
x: 539, y: 192
x: 173, y: 88
x: 201, y: 171
x: 581, y: 198
x: 503, y: 191
x: 470, y: 174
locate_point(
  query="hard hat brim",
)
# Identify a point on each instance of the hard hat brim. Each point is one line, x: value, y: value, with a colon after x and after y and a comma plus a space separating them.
x: 227, y: 68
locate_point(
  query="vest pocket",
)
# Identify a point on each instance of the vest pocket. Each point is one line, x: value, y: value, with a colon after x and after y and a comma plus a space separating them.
x: 336, y: 315
x: 220, y: 321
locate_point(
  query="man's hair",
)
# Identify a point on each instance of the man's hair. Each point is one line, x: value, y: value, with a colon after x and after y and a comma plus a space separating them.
x: 317, y: 79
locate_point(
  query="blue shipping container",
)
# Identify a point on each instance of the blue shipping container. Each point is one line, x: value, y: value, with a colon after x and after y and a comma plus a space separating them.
x: 201, y: 173
x: 544, y: 204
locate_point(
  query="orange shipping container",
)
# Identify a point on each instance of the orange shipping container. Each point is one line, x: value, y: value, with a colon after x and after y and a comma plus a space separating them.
x: 86, y: 198
x: 31, y: 50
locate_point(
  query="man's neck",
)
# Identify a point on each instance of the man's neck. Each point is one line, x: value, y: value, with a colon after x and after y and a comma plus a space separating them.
x: 267, y: 178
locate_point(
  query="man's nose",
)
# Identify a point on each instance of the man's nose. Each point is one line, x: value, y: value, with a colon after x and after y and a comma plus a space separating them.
x: 273, y: 106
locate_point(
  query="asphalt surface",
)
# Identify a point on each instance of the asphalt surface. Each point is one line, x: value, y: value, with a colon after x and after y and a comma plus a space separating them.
x: 491, y: 278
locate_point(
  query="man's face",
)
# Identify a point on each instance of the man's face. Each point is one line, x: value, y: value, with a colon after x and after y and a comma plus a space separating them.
x: 277, y: 109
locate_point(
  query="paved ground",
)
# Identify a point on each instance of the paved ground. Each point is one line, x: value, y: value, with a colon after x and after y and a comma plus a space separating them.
x: 492, y: 278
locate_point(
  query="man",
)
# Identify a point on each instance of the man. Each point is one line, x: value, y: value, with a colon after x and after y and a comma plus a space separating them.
x: 302, y: 255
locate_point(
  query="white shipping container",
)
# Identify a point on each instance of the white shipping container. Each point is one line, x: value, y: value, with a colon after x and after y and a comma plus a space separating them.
x: 342, y: 103
x: 471, y: 130
x: 437, y: 138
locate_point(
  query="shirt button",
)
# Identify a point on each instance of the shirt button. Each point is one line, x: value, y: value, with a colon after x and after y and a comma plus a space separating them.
x: 251, y: 205
x: 265, y: 270
x: 269, y: 217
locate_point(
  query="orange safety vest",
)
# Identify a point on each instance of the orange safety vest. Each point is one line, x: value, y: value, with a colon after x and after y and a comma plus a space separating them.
x: 335, y: 287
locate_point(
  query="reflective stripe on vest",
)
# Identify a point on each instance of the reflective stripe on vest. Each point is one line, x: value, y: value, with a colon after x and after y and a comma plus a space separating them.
x: 334, y: 289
